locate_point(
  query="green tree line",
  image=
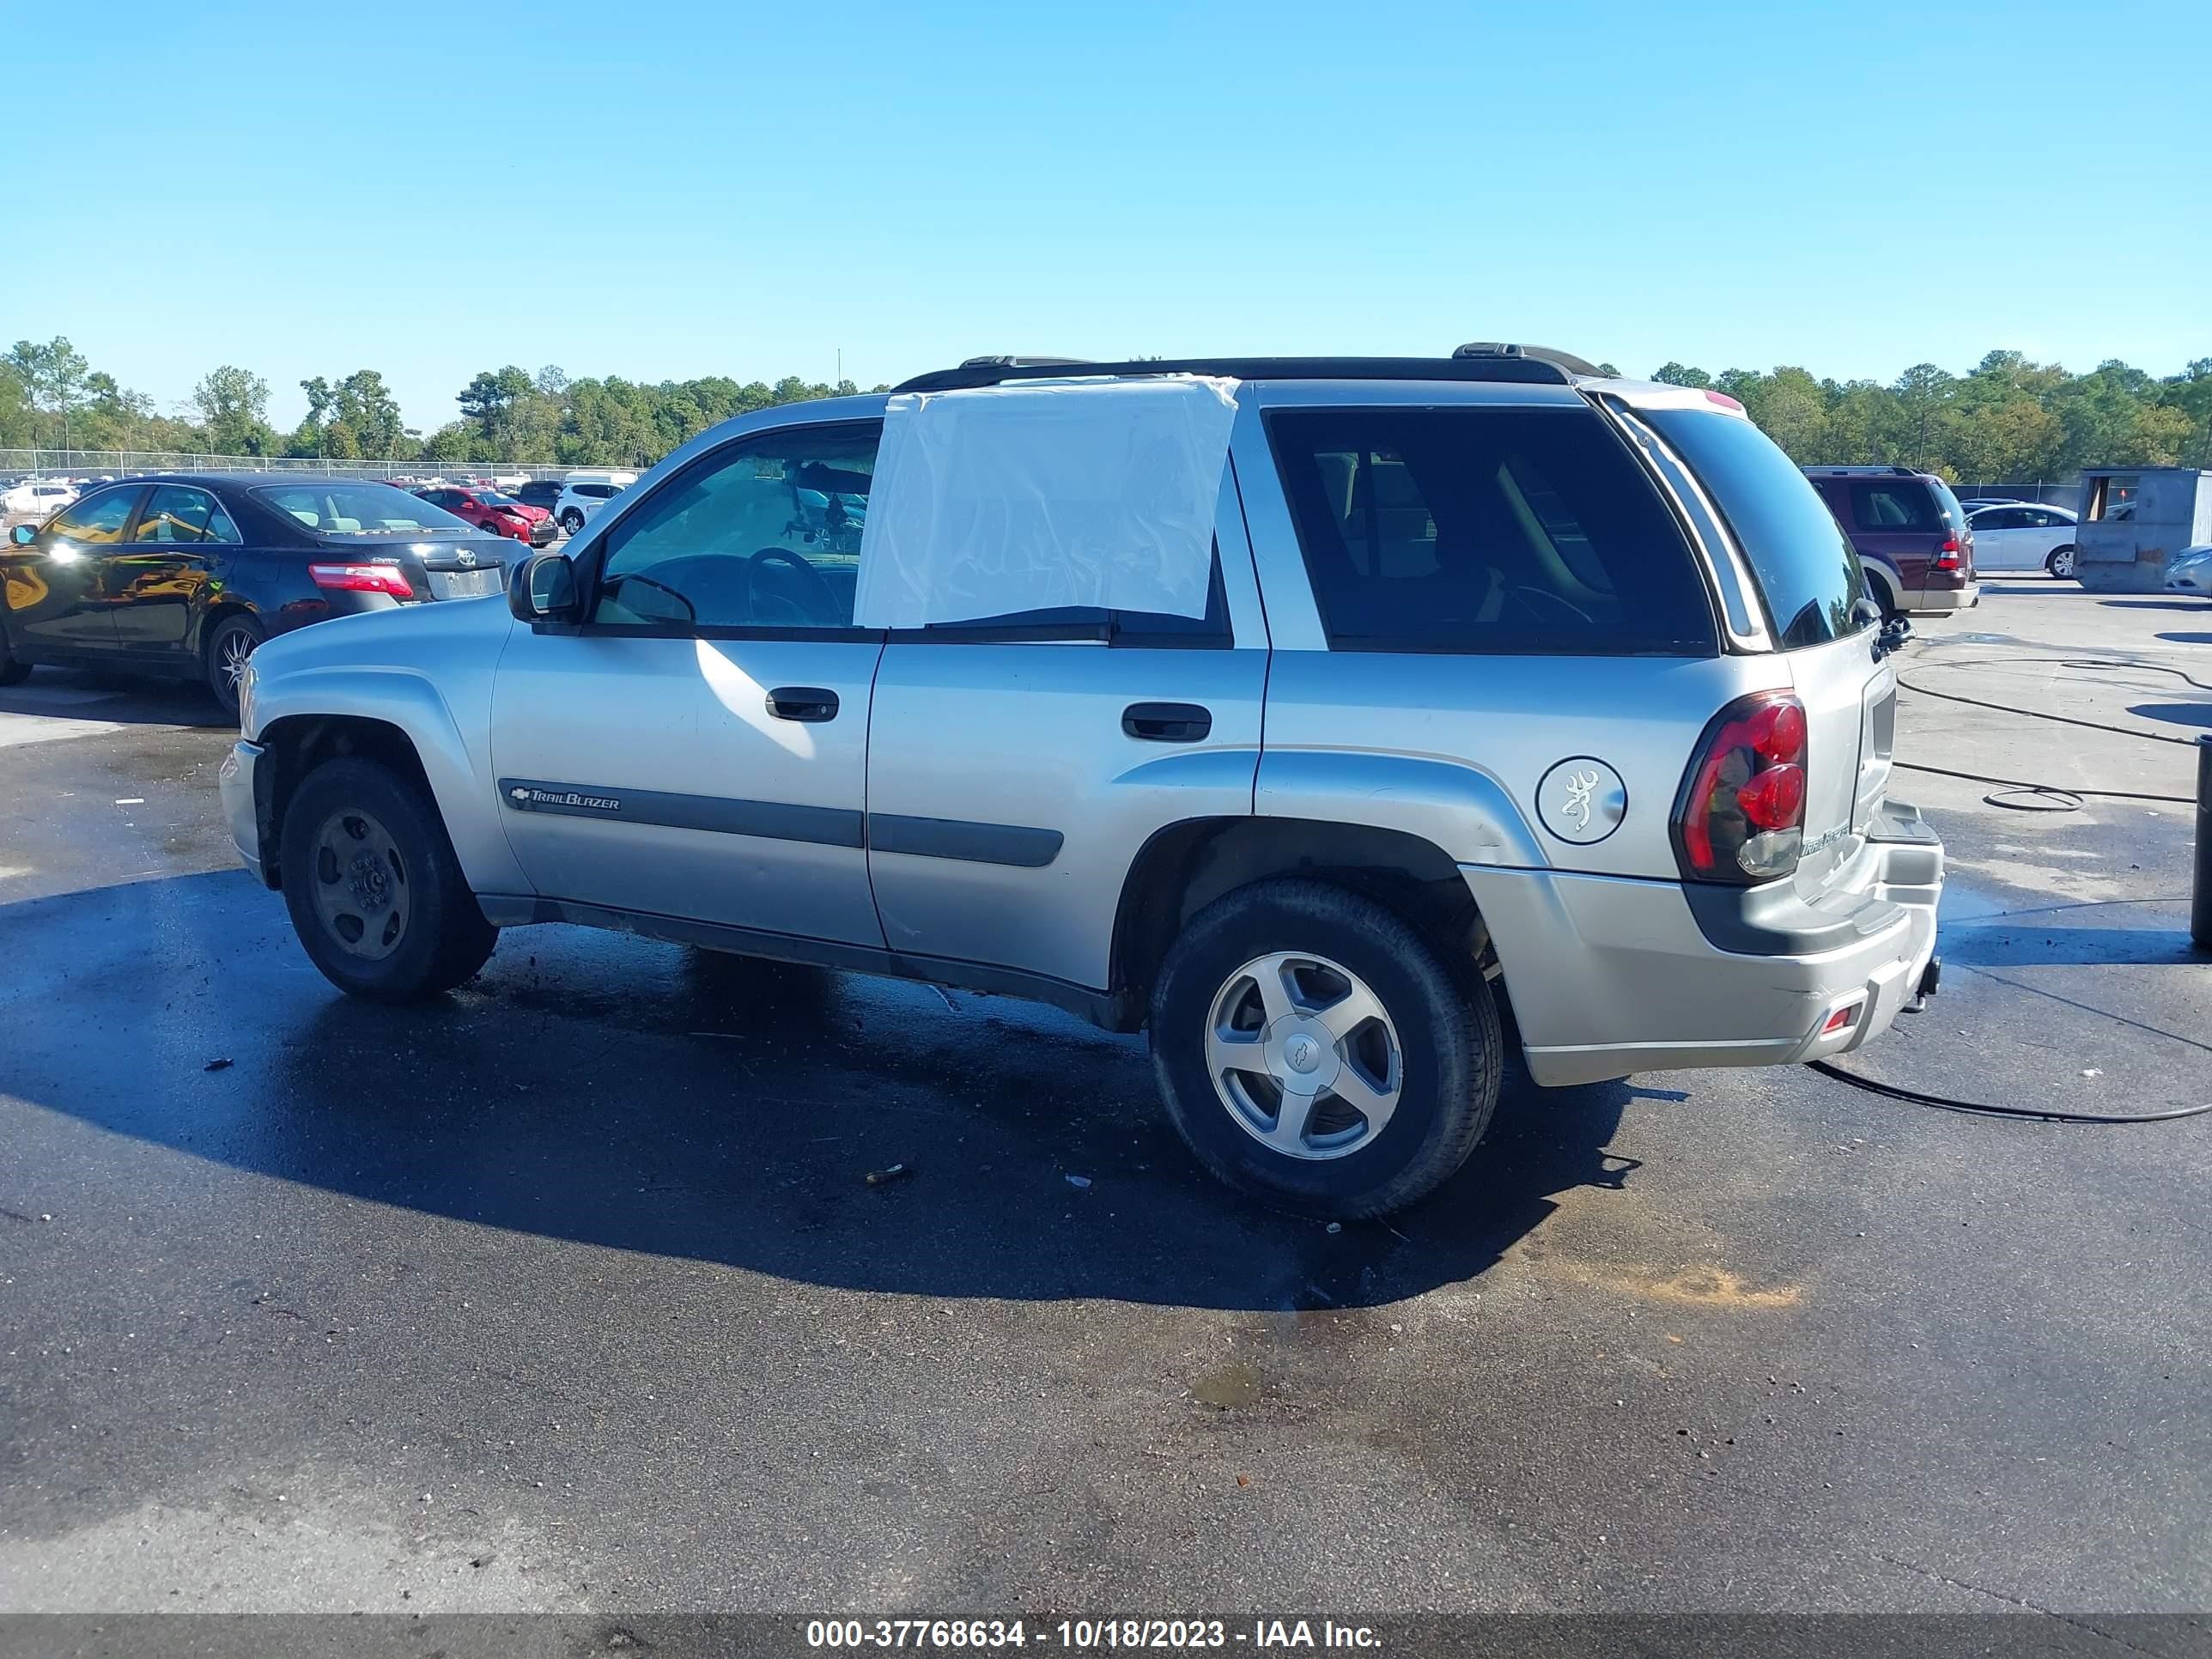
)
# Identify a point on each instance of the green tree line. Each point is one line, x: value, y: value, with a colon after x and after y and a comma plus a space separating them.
x: 51, y: 397
x: 2006, y: 421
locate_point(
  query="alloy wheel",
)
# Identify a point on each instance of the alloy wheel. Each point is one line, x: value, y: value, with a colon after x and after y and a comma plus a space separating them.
x: 1304, y: 1055
x: 230, y: 659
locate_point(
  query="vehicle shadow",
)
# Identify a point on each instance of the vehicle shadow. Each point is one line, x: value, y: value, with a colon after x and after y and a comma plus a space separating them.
x: 2151, y: 605
x: 2188, y: 638
x: 90, y: 694
x: 2175, y: 713
x: 616, y: 1091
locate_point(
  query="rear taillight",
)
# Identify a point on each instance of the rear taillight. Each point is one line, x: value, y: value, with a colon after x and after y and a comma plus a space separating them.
x: 363, y: 579
x: 1740, y: 817
x: 1947, y: 557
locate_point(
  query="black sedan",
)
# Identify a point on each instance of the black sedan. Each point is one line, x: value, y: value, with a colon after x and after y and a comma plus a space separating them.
x: 184, y: 575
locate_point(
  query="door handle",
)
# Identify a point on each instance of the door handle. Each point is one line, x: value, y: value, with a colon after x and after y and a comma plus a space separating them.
x: 802, y: 702
x: 1166, y: 722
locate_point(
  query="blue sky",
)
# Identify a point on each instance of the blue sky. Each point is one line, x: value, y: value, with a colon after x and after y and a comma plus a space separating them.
x: 666, y: 191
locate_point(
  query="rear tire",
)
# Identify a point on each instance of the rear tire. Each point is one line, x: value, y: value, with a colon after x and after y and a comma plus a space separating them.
x: 2060, y: 564
x: 1885, y: 596
x: 1291, y: 985
x: 376, y: 894
x: 234, y: 640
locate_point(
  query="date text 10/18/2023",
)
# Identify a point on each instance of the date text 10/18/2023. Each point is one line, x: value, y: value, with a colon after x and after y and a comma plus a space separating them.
x: 1090, y: 1635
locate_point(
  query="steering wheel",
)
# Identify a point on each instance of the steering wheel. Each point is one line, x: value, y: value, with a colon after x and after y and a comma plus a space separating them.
x: 1542, y: 599
x: 820, y: 600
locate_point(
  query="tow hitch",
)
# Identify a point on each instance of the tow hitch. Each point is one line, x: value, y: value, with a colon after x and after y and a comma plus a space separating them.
x: 1931, y: 981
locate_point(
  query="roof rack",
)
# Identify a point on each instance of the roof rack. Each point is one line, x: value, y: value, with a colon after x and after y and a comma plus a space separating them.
x: 1019, y: 363
x: 1516, y: 364
x: 1485, y: 351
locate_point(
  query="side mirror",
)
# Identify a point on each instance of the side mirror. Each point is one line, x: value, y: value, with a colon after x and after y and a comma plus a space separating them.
x: 543, y: 589
x: 23, y: 535
x: 1865, y: 614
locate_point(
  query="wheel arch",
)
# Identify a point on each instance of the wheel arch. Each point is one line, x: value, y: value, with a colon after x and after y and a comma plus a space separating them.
x: 217, y: 613
x: 294, y: 745
x: 1186, y: 865
x: 1888, y: 591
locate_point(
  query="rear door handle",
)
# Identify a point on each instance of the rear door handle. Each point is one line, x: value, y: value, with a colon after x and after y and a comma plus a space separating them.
x: 802, y: 702
x: 1166, y: 722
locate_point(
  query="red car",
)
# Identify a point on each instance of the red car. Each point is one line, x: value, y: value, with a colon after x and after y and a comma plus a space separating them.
x: 488, y: 509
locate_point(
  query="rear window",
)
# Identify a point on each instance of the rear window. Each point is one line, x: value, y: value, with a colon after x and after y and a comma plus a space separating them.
x: 1495, y: 532
x: 1807, y: 573
x: 362, y: 509
x: 1895, y: 504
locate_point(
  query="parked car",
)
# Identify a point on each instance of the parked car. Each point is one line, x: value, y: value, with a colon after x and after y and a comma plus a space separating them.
x: 38, y: 495
x: 540, y: 492
x: 1911, y: 532
x: 1540, y: 726
x: 489, y: 509
x: 580, y: 500
x: 186, y: 575
x: 2023, y: 535
x: 2189, y: 573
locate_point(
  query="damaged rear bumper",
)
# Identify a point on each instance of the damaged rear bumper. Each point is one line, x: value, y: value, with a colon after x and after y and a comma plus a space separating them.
x: 1610, y: 976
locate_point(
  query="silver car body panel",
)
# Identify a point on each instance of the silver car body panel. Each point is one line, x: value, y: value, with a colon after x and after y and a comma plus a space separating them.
x: 974, y: 809
x: 428, y: 670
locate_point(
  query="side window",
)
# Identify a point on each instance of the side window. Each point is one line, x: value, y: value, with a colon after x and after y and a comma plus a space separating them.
x: 98, y: 520
x: 1501, y: 531
x: 1906, y: 504
x: 764, y: 533
x: 174, y: 513
x: 2005, y: 518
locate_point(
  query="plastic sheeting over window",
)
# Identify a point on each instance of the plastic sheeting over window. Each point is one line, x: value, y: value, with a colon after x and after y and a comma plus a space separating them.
x: 1096, y: 495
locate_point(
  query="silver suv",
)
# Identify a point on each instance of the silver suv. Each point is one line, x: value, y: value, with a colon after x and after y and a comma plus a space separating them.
x: 1526, y: 700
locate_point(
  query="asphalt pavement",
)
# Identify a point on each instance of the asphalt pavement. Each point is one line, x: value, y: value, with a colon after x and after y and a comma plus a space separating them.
x: 569, y: 1292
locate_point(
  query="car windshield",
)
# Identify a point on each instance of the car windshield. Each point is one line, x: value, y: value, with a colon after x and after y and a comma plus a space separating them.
x: 362, y: 509
x: 496, y: 498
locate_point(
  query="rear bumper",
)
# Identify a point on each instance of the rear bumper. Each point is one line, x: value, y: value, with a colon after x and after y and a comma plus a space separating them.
x: 1609, y: 976
x: 1944, y: 599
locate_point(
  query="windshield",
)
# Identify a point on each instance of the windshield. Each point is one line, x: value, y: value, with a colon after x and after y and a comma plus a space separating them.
x: 495, y: 498
x: 1805, y: 566
x: 362, y: 509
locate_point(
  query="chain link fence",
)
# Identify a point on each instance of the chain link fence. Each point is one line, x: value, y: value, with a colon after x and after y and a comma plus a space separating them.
x: 127, y: 463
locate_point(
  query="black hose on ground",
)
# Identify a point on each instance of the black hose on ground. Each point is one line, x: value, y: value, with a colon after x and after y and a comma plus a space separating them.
x: 2071, y: 800
x: 2049, y: 797
x: 2072, y: 803
x: 2039, y: 714
x: 1981, y: 1109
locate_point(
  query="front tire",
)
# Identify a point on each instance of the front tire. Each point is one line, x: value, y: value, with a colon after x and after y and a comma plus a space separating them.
x: 2060, y: 564
x: 1314, y: 1052
x: 376, y: 894
x: 234, y: 640
x: 573, y: 522
x: 13, y: 670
